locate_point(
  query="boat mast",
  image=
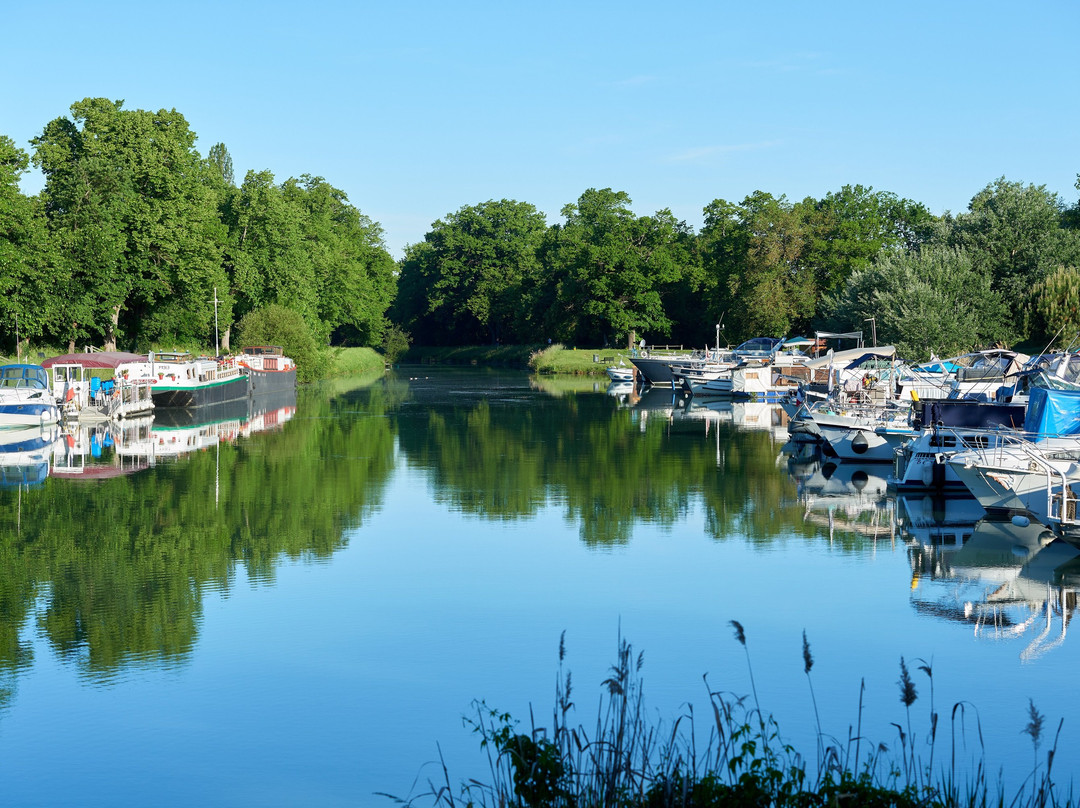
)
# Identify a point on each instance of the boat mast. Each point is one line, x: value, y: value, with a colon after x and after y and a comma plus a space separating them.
x: 217, y: 349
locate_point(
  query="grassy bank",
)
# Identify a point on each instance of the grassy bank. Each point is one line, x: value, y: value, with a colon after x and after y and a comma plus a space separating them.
x: 354, y: 361
x: 544, y: 359
x: 553, y: 359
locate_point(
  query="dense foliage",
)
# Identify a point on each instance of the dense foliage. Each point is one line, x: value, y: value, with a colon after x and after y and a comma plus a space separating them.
x: 764, y: 266
x: 136, y: 241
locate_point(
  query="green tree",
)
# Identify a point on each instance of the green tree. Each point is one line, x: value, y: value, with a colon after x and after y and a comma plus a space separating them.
x: 609, y: 267
x: 220, y: 162
x: 935, y: 300
x: 30, y: 272
x: 355, y: 277
x: 1014, y: 232
x: 466, y: 281
x: 850, y: 228
x: 301, y: 244
x: 755, y: 252
x: 126, y: 193
x: 266, y: 255
x: 1055, y: 304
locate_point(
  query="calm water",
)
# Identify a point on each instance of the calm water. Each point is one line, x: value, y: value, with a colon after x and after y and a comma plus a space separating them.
x: 300, y: 607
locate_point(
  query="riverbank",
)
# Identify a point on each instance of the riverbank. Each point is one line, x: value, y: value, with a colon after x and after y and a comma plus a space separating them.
x: 552, y: 359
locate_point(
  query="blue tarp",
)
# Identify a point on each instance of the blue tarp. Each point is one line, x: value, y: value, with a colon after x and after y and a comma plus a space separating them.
x: 940, y: 367
x: 1053, y: 412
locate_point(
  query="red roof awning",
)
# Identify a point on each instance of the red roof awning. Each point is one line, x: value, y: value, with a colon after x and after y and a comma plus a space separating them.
x: 102, y: 359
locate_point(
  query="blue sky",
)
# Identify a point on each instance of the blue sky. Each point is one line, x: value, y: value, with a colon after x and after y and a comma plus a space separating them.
x: 415, y: 109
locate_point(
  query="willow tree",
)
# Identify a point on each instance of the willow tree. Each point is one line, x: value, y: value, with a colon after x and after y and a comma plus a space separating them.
x: 934, y: 300
x: 1055, y: 304
x: 1014, y: 232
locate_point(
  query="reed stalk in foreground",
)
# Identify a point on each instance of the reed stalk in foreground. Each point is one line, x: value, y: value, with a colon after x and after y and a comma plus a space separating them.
x: 628, y: 761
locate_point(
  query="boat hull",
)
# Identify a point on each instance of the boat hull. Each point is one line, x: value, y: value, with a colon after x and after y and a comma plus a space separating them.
x: 219, y: 392
x: 271, y: 381
x: 27, y: 413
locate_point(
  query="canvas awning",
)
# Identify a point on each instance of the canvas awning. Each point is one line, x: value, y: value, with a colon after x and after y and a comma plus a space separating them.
x: 843, y: 358
x: 97, y: 361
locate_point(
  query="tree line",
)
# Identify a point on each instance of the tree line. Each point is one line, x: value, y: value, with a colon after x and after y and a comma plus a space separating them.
x: 1005, y: 270
x: 137, y: 240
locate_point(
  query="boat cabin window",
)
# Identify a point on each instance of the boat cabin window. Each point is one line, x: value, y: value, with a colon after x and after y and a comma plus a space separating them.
x: 24, y: 376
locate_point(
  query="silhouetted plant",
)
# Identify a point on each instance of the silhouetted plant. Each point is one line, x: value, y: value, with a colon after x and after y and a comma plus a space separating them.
x: 627, y: 762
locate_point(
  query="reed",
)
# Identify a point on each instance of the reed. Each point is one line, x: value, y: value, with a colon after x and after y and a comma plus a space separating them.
x: 627, y: 760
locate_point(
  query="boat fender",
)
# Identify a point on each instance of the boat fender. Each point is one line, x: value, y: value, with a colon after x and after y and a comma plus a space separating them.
x: 1020, y: 521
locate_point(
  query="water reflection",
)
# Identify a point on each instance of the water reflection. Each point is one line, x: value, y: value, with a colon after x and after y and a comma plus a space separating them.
x: 845, y: 497
x: 1009, y: 580
x: 113, y: 573
x: 24, y: 455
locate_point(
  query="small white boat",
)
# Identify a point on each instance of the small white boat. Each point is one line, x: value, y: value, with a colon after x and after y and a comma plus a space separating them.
x: 863, y: 433
x: 25, y: 398
x: 618, y: 373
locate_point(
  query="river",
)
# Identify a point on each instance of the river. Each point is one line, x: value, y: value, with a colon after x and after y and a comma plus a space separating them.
x: 301, y: 605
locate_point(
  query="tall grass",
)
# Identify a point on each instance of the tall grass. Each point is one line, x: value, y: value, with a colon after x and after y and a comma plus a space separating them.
x: 626, y: 760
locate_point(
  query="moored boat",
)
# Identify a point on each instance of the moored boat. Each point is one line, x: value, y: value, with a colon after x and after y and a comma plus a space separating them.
x: 618, y: 373
x: 268, y: 369
x: 25, y: 398
x: 86, y: 397
x: 179, y: 379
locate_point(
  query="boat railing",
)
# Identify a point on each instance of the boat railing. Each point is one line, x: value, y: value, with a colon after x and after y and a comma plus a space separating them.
x: 1060, y: 498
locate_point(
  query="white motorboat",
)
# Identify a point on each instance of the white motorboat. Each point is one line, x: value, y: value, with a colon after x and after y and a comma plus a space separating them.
x: 948, y: 426
x: 1041, y: 477
x: 25, y: 398
x: 863, y: 433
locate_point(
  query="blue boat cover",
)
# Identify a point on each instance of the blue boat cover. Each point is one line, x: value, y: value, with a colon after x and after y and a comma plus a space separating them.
x: 1053, y: 412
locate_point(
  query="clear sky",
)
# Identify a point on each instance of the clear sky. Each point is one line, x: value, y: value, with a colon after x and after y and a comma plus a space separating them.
x: 415, y: 109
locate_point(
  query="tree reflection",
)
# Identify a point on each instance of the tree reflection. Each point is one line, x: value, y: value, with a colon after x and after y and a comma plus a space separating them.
x: 118, y: 567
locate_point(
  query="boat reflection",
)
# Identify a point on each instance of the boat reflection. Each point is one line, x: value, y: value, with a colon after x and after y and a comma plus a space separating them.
x: 1011, y: 579
x: 25, y: 454
x: 104, y: 449
x: 114, y: 448
x: 946, y: 521
x: 842, y: 496
x: 743, y: 415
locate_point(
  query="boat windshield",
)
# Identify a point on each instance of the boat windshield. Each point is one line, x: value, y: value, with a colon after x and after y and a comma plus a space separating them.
x: 32, y: 376
x: 759, y: 346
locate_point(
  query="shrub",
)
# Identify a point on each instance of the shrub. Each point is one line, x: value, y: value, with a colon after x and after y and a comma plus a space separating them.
x: 278, y: 325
